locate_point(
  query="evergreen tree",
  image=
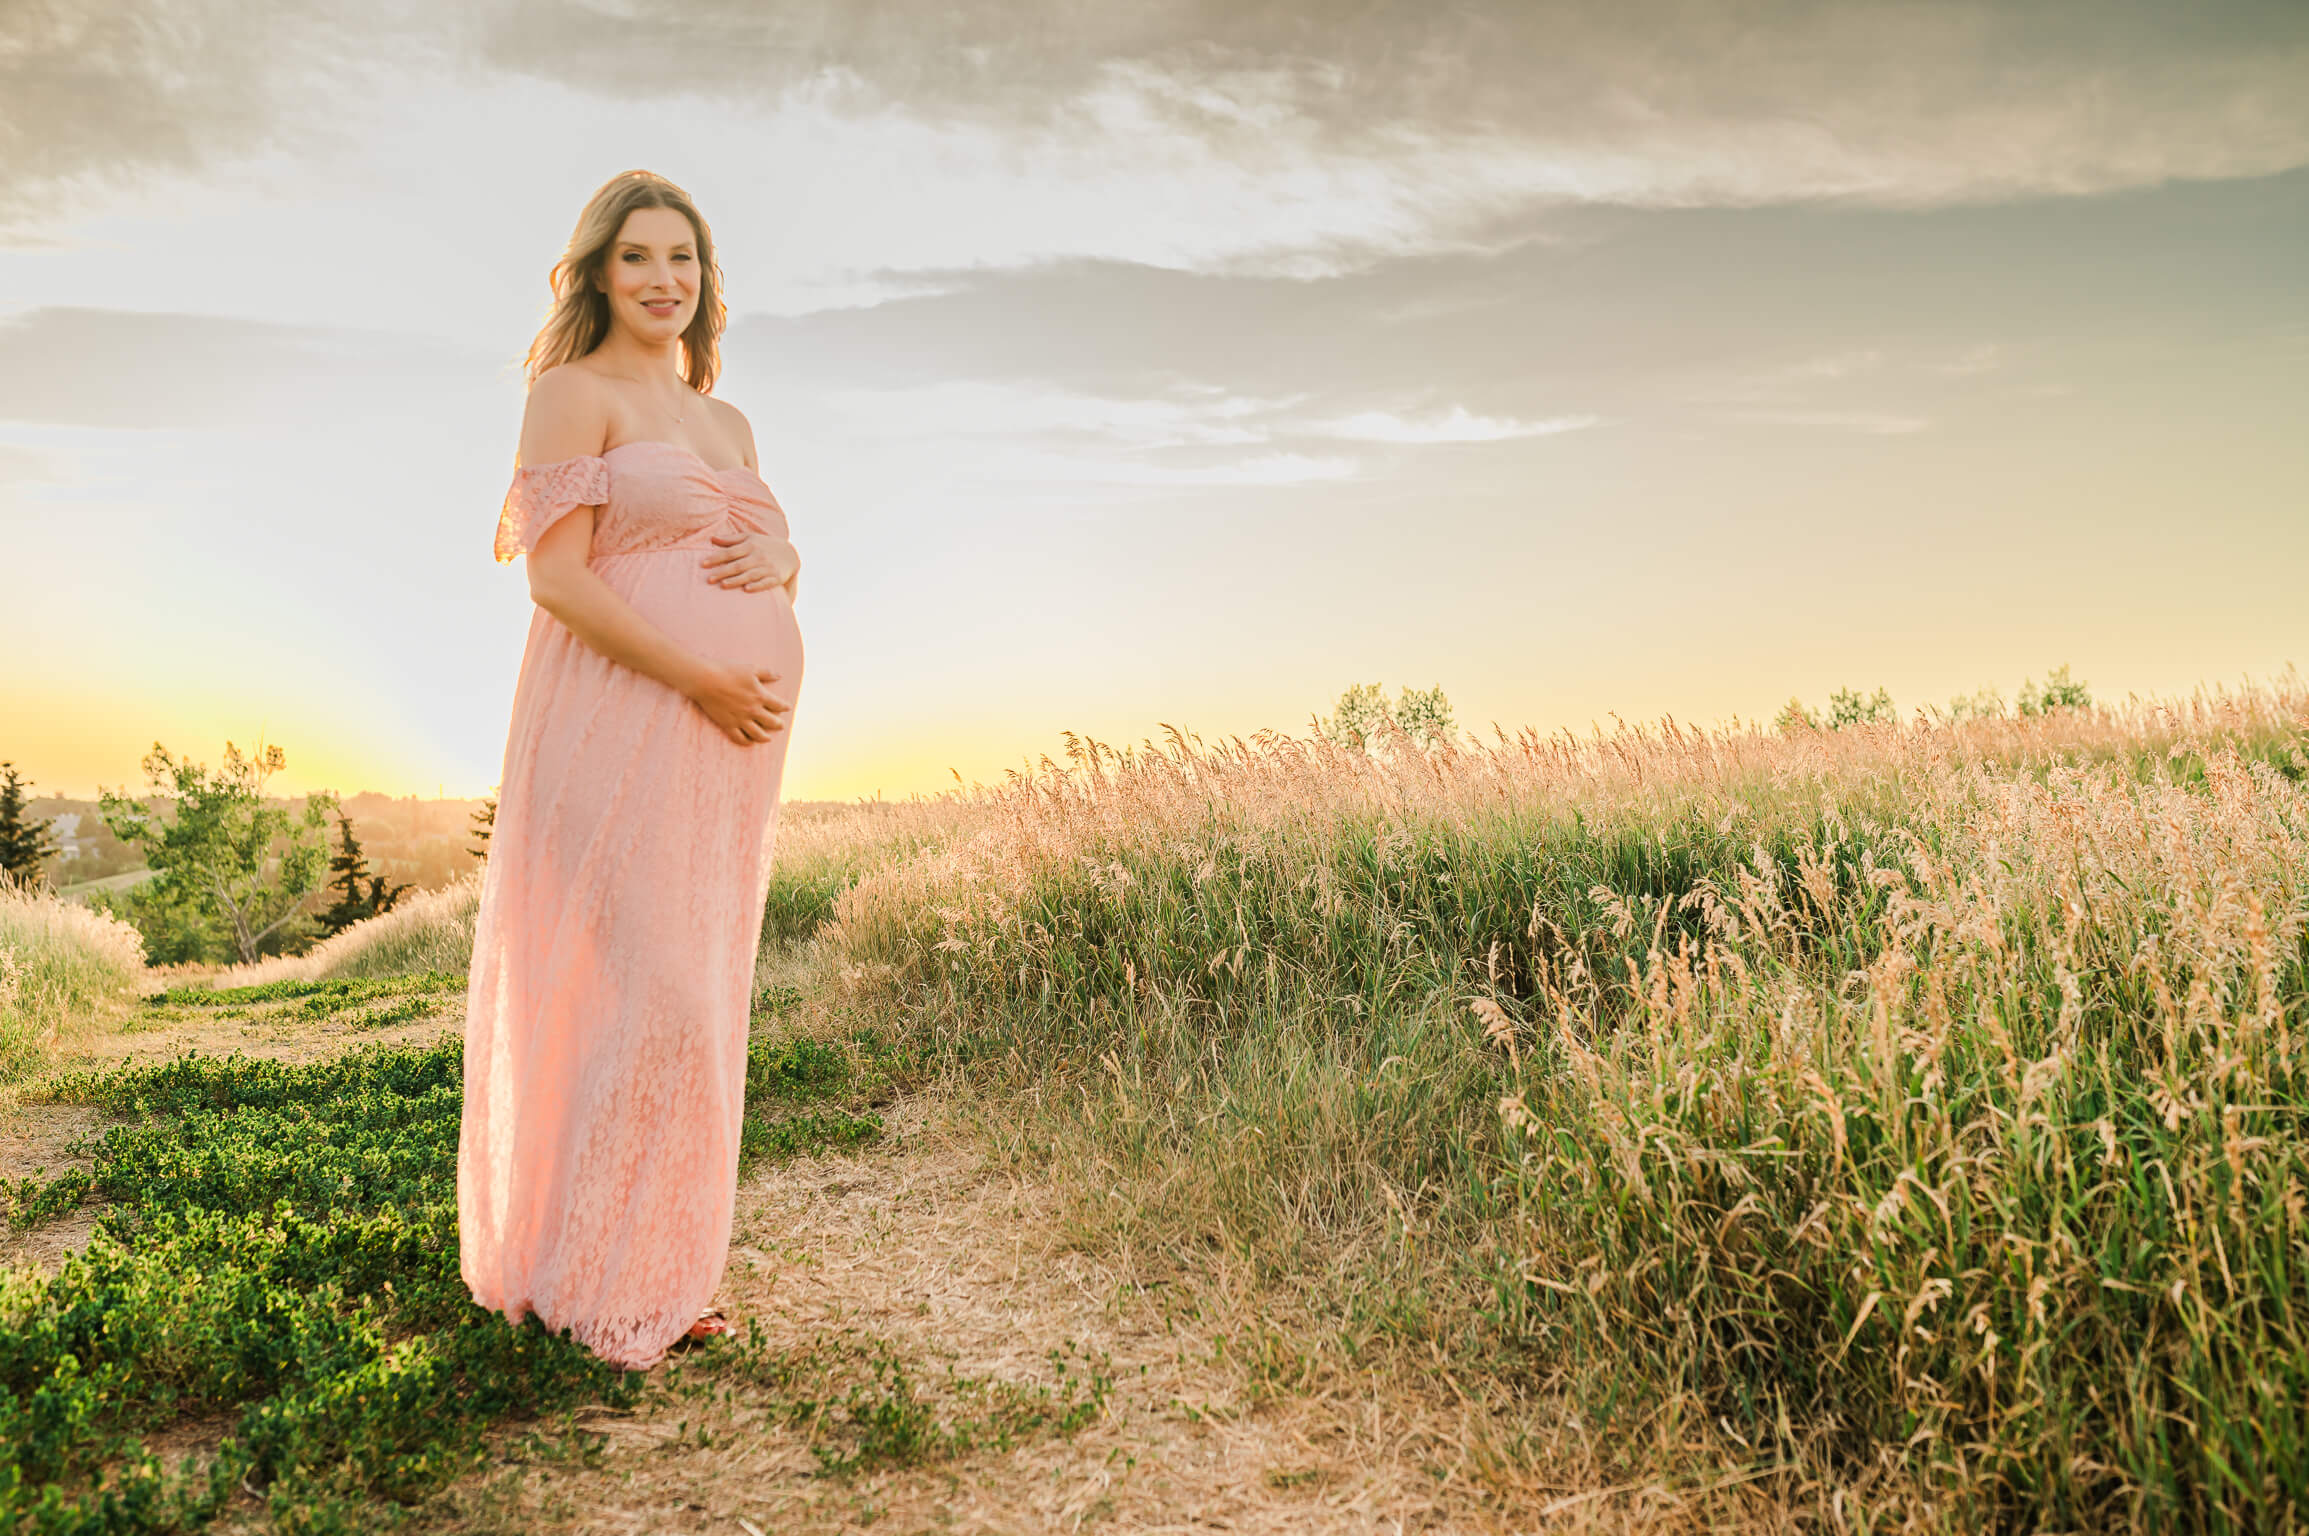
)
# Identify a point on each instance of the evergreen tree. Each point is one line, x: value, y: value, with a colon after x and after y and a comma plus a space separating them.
x: 348, y: 870
x: 484, y: 821
x: 26, y: 844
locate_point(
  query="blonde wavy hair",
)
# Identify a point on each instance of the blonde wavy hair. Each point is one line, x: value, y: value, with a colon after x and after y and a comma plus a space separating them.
x: 579, y: 320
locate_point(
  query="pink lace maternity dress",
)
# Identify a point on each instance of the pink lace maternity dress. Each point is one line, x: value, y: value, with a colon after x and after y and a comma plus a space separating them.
x: 613, y: 956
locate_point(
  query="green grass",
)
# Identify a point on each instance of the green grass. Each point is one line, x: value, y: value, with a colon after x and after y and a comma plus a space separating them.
x: 864, y: 1406
x: 313, y: 999
x: 801, y: 898
x: 365, y: 1002
x: 278, y: 1244
x: 808, y: 1096
x: 1932, y: 1124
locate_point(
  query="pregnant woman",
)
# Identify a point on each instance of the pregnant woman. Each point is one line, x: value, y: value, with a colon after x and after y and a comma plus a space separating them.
x: 613, y: 957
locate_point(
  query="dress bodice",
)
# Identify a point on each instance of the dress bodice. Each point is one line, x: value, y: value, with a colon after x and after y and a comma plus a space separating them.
x: 652, y: 495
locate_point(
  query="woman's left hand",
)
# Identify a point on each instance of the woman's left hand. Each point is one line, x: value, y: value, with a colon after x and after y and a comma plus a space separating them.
x: 753, y: 562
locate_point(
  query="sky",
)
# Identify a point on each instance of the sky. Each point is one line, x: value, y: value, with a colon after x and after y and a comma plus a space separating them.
x: 1179, y: 363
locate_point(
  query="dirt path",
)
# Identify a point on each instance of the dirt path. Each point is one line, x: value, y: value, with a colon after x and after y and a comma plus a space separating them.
x: 915, y: 1251
x: 954, y: 1267
x: 280, y: 1037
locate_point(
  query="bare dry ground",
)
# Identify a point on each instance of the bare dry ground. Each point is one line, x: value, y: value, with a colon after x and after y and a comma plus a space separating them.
x: 960, y: 1266
x: 925, y: 1251
x: 956, y: 1267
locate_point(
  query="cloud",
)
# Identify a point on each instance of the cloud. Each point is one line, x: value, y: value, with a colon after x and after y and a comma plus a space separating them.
x: 96, y: 93
x: 1844, y: 318
x: 1457, y: 425
x: 1266, y: 469
x: 115, y: 368
x: 1649, y: 102
x: 1299, y: 138
x: 1987, y: 357
x: 1190, y: 417
x: 1817, y: 391
x: 1873, y: 423
x: 1023, y: 433
x: 22, y: 465
x: 1840, y: 365
x: 1189, y: 434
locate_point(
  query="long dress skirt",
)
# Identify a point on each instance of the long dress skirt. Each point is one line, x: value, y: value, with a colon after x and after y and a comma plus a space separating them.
x: 613, y: 954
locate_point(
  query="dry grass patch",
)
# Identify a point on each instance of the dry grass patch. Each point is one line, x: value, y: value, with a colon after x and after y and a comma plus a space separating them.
x: 1911, y: 1113
x: 63, y: 969
x: 959, y: 1270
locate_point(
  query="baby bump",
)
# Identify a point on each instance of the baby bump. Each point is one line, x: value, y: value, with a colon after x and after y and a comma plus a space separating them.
x: 669, y: 587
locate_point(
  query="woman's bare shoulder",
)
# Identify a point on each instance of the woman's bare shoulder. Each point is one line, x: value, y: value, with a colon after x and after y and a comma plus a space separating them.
x: 733, y: 421
x: 567, y: 416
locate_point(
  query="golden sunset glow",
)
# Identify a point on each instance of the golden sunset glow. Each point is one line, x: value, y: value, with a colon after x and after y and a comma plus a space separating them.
x: 1183, y: 367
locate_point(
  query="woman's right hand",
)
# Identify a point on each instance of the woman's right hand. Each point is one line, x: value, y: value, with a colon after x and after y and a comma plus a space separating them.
x: 739, y: 702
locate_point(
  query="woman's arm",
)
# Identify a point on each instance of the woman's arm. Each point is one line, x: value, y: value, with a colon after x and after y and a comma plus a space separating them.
x: 566, y: 420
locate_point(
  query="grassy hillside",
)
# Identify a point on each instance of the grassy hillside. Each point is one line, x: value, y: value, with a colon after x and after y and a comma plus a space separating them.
x: 1918, y: 1109
x: 423, y: 843
x: 1907, y: 1119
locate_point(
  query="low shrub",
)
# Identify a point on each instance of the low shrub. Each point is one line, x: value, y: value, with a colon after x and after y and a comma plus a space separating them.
x: 278, y: 1243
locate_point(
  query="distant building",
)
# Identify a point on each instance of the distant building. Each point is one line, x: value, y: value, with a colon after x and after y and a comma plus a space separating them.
x: 69, y: 842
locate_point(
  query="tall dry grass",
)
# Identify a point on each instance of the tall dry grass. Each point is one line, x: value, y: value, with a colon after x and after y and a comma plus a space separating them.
x: 424, y: 932
x: 60, y: 964
x: 821, y: 849
x: 1918, y: 1108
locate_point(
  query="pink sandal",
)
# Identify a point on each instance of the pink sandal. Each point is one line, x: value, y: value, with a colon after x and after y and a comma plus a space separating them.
x: 711, y: 1324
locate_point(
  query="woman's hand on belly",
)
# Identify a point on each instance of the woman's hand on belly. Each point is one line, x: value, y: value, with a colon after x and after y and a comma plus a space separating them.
x: 739, y: 700
x: 753, y: 562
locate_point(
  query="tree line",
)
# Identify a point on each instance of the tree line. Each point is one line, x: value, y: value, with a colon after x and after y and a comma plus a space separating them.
x: 236, y: 875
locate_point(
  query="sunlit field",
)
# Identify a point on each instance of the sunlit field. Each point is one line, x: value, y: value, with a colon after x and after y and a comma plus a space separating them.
x: 1896, y: 1127
x: 1907, y: 1116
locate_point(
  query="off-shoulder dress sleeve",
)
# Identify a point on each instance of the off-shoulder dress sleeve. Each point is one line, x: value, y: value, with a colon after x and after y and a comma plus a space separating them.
x: 543, y: 496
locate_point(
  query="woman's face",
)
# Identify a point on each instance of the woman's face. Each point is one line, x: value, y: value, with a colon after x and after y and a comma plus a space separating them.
x: 651, y: 274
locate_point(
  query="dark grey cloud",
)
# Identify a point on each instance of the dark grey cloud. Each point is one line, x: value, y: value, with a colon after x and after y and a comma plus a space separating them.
x: 96, y: 92
x: 1887, y: 99
x: 116, y: 368
x: 1659, y: 101
x: 1806, y: 316
x: 1834, y: 319
x: 1495, y: 61
x: 1600, y: 313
